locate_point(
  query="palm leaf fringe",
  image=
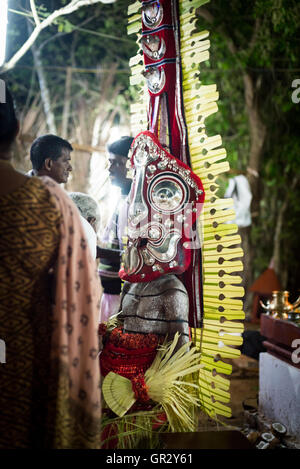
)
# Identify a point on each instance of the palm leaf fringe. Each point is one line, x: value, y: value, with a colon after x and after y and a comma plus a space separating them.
x: 171, y: 382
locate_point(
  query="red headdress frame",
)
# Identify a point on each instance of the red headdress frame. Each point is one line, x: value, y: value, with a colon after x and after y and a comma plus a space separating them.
x: 165, y: 202
x: 166, y: 117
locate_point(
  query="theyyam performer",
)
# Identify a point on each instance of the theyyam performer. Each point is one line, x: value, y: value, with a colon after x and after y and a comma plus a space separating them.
x: 161, y: 356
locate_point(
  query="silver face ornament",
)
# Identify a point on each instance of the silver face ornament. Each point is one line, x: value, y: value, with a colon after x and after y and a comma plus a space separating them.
x: 156, y: 79
x: 152, y: 15
x: 153, y: 46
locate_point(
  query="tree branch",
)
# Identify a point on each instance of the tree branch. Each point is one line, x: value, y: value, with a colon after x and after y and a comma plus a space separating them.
x: 45, y: 94
x: 255, y: 34
x: 34, y: 12
x: 66, y: 10
x: 52, y: 38
x: 205, y: 14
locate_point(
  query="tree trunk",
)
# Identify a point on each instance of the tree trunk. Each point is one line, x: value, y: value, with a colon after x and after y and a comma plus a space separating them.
x: 278, y: 229
x: 257, y: 139
x: 81, y: 160
x: 67, y: 104
x: 45, y: 95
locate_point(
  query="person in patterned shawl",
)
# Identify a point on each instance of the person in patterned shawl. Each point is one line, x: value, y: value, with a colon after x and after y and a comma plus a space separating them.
x: 50, y: 379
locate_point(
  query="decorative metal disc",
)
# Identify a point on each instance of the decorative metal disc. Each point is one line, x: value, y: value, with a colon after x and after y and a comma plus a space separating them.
x: 153, y: 46
x: 167, y: 193
x: 152, y: 15
x: 156, y: 79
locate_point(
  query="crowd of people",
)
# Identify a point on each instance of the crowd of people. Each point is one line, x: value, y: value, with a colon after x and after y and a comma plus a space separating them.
x: 52, y: 297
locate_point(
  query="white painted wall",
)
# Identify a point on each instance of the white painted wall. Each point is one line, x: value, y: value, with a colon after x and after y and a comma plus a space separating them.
x: 279, y: 392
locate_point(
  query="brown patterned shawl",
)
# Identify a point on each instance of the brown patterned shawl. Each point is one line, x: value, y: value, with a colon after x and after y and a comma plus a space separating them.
x: 50, y: 383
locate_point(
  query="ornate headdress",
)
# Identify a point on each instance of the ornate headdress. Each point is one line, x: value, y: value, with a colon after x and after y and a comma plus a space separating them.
x: 173, y: 106
x: 165, y: 200
x: 166, y: 196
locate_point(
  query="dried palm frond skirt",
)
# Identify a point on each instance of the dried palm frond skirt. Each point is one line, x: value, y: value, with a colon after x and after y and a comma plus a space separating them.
x: 164, y: 380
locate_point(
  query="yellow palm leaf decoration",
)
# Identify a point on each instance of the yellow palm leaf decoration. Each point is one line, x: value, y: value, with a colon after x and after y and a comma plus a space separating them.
x: 118, y: 393
x: 166, y: 384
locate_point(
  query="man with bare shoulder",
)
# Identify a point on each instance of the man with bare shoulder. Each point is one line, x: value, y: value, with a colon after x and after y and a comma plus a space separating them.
x: 50, y: 156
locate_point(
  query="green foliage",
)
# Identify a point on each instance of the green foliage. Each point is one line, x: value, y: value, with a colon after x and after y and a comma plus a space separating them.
x: 92, y: 39
x: 64, y: 25
x: 264, y: 37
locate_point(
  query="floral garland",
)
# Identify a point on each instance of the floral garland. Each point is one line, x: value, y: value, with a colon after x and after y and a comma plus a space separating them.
x: 140, y: 388
x: 130, y: 341
x: 102, y: 328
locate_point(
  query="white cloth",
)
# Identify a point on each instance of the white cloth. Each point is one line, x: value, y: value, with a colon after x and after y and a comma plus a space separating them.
x: 115, y: 230
x: 31, y: 173
x: 109, y: 306
x: 239, y: 190
x: 90, y: 236
x: 117, y: 225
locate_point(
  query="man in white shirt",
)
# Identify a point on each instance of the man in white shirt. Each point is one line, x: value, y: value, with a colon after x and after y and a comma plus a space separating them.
x: 112, y: 239
x: 50, y: 156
